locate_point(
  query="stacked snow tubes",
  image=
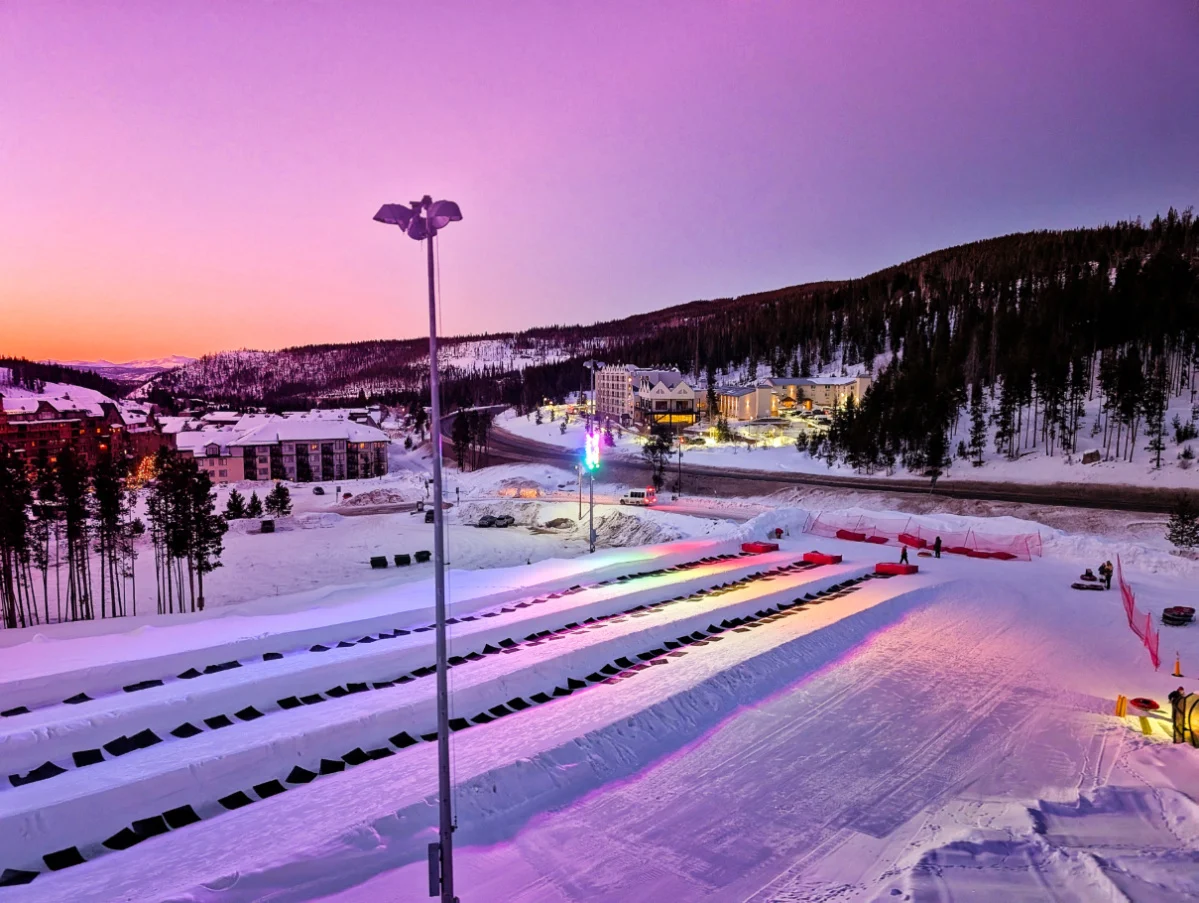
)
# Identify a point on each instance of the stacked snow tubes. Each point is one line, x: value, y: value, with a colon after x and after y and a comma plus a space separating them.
x: 621, y: 668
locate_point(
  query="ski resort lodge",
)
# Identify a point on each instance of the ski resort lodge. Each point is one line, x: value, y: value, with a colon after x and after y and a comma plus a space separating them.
x: 629, y: 394
x: 776, y: 395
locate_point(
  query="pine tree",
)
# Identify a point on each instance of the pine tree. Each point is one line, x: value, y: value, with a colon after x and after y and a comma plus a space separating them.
x: 254, y: 506
x: 235, y: 507
x: 208, y: 529
x: 460, y: 435
x: 1183, y: 527
x: 16, y: 497
x: 978, y: 427
x: 278, y: 501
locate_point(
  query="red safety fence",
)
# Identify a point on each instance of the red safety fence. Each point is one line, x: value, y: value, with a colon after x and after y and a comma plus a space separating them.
x: 1140, y: 622
x: 914, y: 532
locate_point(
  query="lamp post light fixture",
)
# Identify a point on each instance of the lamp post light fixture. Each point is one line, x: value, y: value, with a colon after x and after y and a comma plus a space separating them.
x: 422, y: 220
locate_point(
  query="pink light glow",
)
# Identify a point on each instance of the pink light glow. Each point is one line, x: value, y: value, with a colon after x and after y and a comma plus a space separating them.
x: 191, y: 176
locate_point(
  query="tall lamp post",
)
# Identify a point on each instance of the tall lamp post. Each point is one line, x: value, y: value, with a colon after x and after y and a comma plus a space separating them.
x: 422, y: 220
x: 591, y: 462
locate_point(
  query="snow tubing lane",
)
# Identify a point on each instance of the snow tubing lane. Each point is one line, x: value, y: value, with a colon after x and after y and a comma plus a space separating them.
x: 192, y: 673
x: 123, y: 744
x: 143, y: 829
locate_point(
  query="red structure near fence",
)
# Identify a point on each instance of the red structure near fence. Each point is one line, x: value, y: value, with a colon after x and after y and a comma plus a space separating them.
x: 911, y: 531
x: 1140, y: 622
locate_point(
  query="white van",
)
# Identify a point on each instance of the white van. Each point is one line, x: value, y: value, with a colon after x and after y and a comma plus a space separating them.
x: 645, y: 497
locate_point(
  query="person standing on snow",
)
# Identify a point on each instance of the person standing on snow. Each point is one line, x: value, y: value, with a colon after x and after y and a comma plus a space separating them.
x: 937, y: 548
x: 1176, y: 697
x: 903, y: 556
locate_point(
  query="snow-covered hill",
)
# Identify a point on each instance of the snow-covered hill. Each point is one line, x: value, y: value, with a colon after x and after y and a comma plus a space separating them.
x: 131, y: 371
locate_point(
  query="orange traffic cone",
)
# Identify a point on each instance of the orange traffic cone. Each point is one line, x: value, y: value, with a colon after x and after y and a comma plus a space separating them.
x: 1177, y: 665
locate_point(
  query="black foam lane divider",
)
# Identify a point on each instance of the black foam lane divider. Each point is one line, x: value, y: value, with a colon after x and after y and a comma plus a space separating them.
x: 41, y: 773
x: 382, y: 684
x: 429, y: 738
x: 291, y: 702
x: 189, y: 674
x: 185, y: 730
x: 301, y: 776
x: 356, y: 688
x: 271, y: 656
x: 313, y: 699
x: 539, y: 698
x: 123, y: 840
x: 63, y: 859
x: 218, y: 721
x: 355, y: 756
x: 507, y: 644
x: 490, y: 650
x: 119, y: 746
x: 19, y: 710
x: 78, y: 698
x: 150, y: 827
x: 268, y: 789
x: 624, y: 662
x: 575, y: 684
x: 337, y: 692
x: 595, y: 677
x: 457, y: 724
x: 87, y: 757
x: 610, y: 670
x: 380, y: 753
x: 223, y: 666
x: 517, y: 704
x: 319, y: 648
x: 402, y: 740
x: 332, y: 766
x: 425, y: 671
x: 15, y: 877
x: 142, y: 685
x: 181, y: 817
x: 403, y: 679
x: 482, y: 718
x: 235, y: 800
x: 561, y: 691
x: 249, y: 713
x: 456, y: 660
x: 499, y: 711
x: 367, y: 639
x: 344, y: 644
x: 402, y: 632
x: 144, y: 739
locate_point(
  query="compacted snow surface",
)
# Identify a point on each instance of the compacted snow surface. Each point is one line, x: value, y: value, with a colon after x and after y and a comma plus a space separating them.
x: 942, y: 736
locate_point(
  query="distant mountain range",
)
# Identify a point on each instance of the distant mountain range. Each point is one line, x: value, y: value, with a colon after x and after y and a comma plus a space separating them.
x: 130, y: 371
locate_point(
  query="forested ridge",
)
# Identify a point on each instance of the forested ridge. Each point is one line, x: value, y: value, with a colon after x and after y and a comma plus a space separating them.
x: 1014, y: 331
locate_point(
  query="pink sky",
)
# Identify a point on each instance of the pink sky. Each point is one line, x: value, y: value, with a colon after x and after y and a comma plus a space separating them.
x: 190, y: 176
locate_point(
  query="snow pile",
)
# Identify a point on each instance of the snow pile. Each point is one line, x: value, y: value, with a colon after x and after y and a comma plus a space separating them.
x: 385, y: 496
x: 525, y: 513
x: 621, y: 529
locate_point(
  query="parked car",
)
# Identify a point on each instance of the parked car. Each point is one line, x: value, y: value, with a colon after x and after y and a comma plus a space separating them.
x: 487, y: 520
x: 318, y: 490
x: 505, y: 520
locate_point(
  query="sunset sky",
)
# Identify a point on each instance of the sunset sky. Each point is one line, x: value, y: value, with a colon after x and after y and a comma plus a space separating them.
x: 184, y: 177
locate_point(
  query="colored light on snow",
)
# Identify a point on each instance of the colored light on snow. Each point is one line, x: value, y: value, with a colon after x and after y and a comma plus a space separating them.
x: 591, y: 451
